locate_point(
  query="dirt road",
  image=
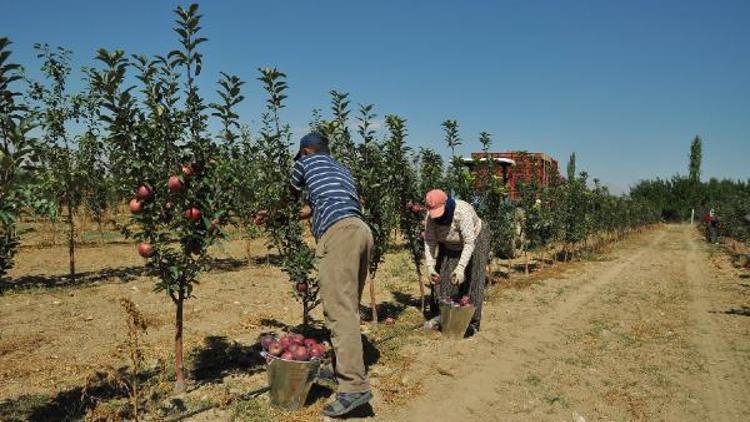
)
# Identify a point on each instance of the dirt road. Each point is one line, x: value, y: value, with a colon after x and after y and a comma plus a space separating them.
x: 651, y: 332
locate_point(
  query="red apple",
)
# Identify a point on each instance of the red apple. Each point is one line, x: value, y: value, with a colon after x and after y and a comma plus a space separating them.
x: 145, y: 250
x: 285, y: 342
x: 175, y: 184
x: 302, y: 287
x: 144, y: 192
x: 310, y: 342
x: 293, y: 347
x: 317, y: 351
x: 193, y: 214
x: 135, y: 205
x: 266, y: 341
x: 298, y: 339
x: 275, y: 349
x: 287, y: 356
x: 464, y: 301
x: 187, y: 170
x: 301, y: 354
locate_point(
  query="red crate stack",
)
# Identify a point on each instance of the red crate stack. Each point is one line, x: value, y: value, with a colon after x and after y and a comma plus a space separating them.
x: 529, y: 166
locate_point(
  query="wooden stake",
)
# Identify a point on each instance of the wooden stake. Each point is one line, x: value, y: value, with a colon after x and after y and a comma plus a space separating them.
x: 421, y: 290
x: 525, y: 262
x: 372, y: 301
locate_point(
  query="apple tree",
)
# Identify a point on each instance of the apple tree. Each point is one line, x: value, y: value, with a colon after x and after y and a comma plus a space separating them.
x: 60, y: 153
x: 161, y: 153
x: 16, y: 148
x: 286, y: 232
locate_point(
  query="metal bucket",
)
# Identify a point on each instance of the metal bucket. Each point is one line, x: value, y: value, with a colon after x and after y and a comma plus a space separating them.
x: 454, y: 320
x: 290, y: 381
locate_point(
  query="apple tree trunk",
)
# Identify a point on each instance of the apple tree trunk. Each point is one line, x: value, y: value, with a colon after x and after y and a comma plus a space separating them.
x: 179, y: 384
x: 71, y: 242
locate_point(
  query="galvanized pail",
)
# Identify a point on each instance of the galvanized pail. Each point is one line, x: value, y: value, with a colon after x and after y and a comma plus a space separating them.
x: 454, y: 320
x: 290, y: 381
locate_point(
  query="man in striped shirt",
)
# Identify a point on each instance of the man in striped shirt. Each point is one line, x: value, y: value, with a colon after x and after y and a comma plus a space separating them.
x: 344, y: 245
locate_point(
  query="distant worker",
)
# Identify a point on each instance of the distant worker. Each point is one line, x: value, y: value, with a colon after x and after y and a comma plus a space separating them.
x: 457, y: 248
x: 711, y: 220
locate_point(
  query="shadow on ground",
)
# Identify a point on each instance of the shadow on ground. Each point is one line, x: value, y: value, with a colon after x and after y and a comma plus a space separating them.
x: 387, y: 310
x: 218, y: 357
x: 112, y: 275
x: 74, y: 403
x: 741, y: 311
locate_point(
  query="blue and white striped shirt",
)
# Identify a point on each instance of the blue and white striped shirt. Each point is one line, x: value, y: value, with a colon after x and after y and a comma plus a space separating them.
x: 331, y: 190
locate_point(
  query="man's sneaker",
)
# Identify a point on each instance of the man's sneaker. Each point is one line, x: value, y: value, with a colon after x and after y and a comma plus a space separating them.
x: 345, y: 403
x: 472, y: 329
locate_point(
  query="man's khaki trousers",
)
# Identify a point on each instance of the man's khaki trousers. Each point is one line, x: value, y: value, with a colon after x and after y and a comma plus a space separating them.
x: 343, y: 254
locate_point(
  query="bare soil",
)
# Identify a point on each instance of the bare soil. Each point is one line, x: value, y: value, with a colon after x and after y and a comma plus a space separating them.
x: 654, y: 332
x: 655, y: 329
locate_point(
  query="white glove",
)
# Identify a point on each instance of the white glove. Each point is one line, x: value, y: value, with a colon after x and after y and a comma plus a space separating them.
x: 458, y: 276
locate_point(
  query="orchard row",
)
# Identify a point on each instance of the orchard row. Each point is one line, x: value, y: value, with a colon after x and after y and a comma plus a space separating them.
x: 142, y: 138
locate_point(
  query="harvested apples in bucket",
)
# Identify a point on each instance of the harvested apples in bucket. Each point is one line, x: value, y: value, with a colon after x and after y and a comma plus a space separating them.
x: 292, y: 347
x: 455, y: 315
x: 462, y: 301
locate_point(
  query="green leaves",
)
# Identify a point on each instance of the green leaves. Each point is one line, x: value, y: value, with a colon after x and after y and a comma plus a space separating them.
x: 229, y: 91
x: 274, y: 83
x: 16, y: 149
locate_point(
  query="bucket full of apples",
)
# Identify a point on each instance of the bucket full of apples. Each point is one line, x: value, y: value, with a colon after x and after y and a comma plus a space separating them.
x: 293, y: 364
x: 455, y: 316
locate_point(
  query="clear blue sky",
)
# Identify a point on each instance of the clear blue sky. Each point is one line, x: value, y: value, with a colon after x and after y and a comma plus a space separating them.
x: 624, y: 84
